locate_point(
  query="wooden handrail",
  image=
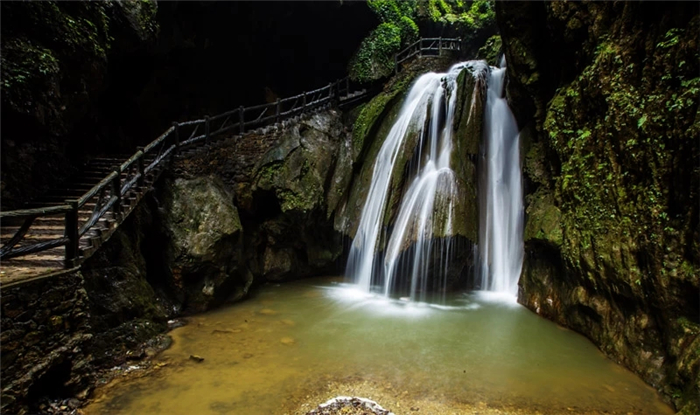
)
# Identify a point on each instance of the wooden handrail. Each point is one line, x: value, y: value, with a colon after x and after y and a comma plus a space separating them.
x: 99, y: 186
x: 42, y: 211
x: 112, y: 197
x: 158, y: 140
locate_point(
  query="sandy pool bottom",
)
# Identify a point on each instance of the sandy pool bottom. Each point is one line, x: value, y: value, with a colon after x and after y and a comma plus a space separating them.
x: 291, y: 347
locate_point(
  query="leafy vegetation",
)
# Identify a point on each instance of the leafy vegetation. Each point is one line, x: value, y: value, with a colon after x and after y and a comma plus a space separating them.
x: 48, y: 46
x: 400, y: 22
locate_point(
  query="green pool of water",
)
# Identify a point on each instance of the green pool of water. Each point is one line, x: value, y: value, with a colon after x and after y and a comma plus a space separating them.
x: 266, y: 354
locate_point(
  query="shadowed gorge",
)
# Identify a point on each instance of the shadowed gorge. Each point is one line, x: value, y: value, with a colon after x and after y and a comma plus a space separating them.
x: 369, y: 207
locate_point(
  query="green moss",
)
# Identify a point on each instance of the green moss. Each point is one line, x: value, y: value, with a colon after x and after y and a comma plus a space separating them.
x: 619, y: 144
x: 265, y: 177
x: 291, y: 200
x: 544, y: 219
x: 491, y: 50
x: 371, y: 112
x: 374, y: 59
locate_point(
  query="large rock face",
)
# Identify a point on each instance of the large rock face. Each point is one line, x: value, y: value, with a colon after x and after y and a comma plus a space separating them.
x: 287, y: 182
x: 607, y: 95
x: 304, y: 175
x: 205, y: 250
x: 128, y: 303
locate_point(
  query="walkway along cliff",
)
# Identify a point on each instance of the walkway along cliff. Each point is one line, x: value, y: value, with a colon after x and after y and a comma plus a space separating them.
x: 161, y: 235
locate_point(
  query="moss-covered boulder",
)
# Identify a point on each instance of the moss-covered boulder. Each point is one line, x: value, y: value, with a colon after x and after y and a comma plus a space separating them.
x: 298, y: 169
x: 491, y: 51
x: 609, y: 95
x: 370, y: 129
x: 301, y: 181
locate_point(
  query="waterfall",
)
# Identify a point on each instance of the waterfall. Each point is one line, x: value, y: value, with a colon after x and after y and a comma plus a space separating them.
x: 500, y: 249
x: 427, y: 204
x: 418, y: 242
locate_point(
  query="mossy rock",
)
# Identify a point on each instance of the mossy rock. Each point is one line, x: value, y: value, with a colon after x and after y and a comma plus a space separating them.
x: 203, y: 213
x: 348, y: 218
x: 300, y: 168
x: 543, y: 219
x: 491, y: 51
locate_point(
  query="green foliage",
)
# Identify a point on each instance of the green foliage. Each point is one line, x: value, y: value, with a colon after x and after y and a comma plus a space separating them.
x: 48, y: 46
x: 374, y: 59
x: 387, y: 10
x: 44, y: 43
x: 409, y: 30
x: 24, y: 63
x: 466, y: 15
x: 371, y: 61
x: 671, y: 38
x: 407, y: 8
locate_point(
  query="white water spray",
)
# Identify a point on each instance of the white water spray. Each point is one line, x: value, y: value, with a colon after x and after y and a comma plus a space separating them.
x: 428, y: 203
x: 500, y: 194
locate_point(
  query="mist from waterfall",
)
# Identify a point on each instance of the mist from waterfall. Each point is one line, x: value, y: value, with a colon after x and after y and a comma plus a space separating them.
x: 501, y: 217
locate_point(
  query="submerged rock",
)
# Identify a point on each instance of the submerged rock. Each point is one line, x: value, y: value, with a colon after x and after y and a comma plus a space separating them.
x: 349, y: 406
x: 196, y: 358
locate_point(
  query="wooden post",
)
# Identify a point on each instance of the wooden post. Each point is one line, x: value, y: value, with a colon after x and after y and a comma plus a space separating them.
x: 72, y: 234
x: 241, y: 120
x: 117, y: 191
x: 330, y: 92
x: 176, y: 126
x: 278, y: 109
x: 142, y: 168
x: 206, y: 129
x: 440, y: 46
x: 303, y: 102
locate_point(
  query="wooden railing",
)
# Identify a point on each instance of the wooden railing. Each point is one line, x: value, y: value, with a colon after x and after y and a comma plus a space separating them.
x: 432, y: 46
x: 115, y: 196
x: 107, y: 198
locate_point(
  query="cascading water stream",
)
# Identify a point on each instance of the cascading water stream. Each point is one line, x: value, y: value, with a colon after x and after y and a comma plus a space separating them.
x: 362, y: 251
x: 426, y: 210
x: 500, y: 249
x: 427, y: 204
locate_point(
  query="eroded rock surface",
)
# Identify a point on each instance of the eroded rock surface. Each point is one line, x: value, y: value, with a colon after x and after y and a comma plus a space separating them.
x: 607, y: 96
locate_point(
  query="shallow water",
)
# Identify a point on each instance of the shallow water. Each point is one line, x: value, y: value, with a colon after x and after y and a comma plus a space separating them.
x: 264, y: 355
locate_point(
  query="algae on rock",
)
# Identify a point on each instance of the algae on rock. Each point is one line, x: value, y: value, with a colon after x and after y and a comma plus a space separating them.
x: 609, y: 94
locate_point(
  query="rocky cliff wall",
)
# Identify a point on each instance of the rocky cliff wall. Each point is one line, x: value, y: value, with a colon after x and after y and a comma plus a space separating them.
x: 607, y: 96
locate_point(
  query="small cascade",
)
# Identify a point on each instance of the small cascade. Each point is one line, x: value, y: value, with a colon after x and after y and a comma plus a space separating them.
x: 500, y: 249
x: 427, y: 205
